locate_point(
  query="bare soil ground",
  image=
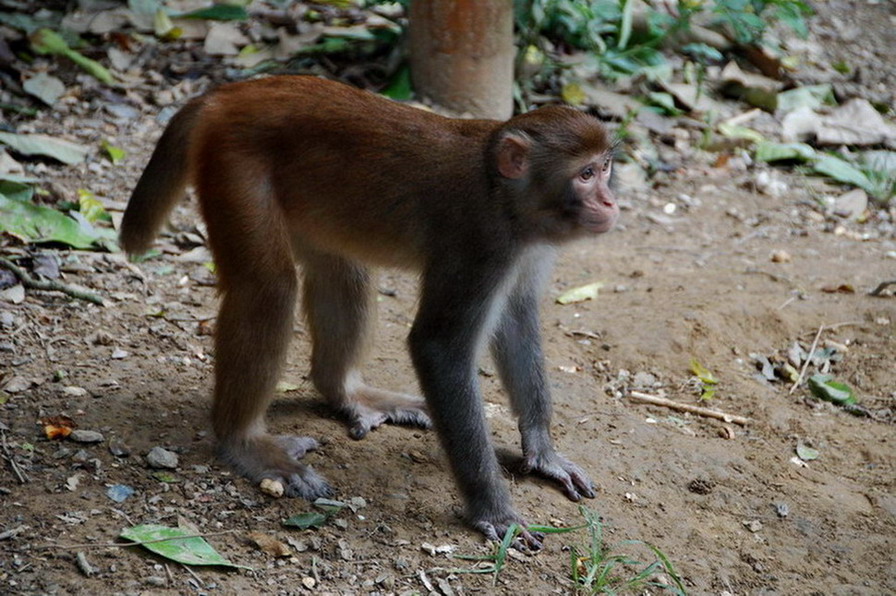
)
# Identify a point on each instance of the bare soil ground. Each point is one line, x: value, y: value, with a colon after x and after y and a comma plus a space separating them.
x: 699, y: 282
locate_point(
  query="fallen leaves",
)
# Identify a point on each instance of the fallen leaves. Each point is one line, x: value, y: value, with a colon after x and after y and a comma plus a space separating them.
x: 176, y: 544
x: 581, y: 293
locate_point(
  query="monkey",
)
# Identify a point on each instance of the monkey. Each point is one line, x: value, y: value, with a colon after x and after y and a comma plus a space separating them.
x: 296, y: 171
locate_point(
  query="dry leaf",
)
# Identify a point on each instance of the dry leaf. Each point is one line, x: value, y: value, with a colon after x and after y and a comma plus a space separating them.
x: 269, y: 544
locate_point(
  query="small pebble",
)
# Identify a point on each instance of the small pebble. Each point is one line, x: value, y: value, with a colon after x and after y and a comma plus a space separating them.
x: 781, y: 256
x: 644, y: 380
x: 159, y: 457
x: 86, y: 436
x: 119, y: 448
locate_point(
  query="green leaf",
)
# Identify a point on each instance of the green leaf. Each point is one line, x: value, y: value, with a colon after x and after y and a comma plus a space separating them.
x: 329, y: 506
x: 218, y: 12
x: 842, y: 171
x: 702, y: 52
x: 183, y: 548
x: 64, y: 151
x: 625, y: 25
x: 19, y: 191
x: 740, y: 132
x: 702, y: 372
x: 46, y: 41
x: 400, y: 86
x: 811, y: 96
x: 769, y: 151
x: 116, y: 154
x: 36, y: 223
x: 303, y: 521
x: 806, y: 453
x: 573, y: 94
x: 90, y: 207
x: 665, y: 101
x: 824, y: 387
x: 581, y: 294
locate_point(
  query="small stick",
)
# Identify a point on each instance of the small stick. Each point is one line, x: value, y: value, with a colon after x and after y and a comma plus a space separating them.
x: 799, y: 379
x: 84, y: 565
x: 786, y: 302
x: 49, y: 285
x: 674, y: 405
x: 9, y: 457
x: 879, y: 290
x: 137, y: 543
x: 193, y: 573
x: 12, y: 533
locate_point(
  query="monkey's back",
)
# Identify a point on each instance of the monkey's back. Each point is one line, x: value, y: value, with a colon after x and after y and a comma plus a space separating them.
x: 339, y: 162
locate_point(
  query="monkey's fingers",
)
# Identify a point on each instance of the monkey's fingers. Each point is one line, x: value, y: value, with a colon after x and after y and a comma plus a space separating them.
x: 529, y: 541
x: 525, y: 541
x: 575, y: 482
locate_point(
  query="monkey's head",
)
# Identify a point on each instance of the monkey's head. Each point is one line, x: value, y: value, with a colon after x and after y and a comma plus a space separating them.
x: 556, y: 164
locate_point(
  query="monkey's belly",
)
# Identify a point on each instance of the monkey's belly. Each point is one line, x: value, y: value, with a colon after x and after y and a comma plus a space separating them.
x: 355, y: 244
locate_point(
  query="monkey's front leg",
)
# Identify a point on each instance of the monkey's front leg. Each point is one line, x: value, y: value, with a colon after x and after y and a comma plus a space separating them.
x: 455, y: 306
x: 516, y: 347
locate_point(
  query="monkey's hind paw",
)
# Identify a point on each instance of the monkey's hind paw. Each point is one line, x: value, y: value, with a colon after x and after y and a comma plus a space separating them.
x: 371, y: 408
x: 276, y: 458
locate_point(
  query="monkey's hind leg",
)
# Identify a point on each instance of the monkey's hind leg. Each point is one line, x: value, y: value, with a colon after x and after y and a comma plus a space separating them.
x: 339, y: 305
x: 259, y: 286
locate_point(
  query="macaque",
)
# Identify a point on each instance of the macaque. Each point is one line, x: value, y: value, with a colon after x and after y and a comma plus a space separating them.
x: 297, y: 170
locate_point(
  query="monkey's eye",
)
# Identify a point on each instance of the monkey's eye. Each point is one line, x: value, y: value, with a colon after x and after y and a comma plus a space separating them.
x: 607, y: 164
x: 587, y: 173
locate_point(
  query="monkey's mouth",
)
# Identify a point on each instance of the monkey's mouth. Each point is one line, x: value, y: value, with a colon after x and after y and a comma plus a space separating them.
x: 600, y: 225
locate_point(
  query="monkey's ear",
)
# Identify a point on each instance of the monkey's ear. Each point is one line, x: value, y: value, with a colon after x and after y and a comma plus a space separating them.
x: 513, y: 156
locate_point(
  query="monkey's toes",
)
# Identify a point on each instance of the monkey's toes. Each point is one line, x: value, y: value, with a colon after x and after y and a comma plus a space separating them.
x: 297, y: 447
x: 574, y: 481
x: 525, y: 540
x: 364, y: 419
x: 308, y: 485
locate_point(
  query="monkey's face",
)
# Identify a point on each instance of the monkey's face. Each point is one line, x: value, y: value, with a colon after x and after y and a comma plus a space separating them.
x: 590, y: 201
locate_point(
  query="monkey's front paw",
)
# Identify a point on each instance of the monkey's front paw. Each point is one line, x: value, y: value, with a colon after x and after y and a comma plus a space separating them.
x: 575, y: 482
x: 370, y: 408
x: 277, y: 458
x: 497, y: 528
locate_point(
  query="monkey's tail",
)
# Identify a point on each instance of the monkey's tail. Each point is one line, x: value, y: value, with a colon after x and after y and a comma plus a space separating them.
x: 162, y: 183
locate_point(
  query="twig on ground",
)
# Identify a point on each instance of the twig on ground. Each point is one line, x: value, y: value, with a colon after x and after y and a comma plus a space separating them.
x: 8, y: 456
x: 12, y: 532
x: 49, y: 284
x: 879, y: 290
x: 84, y: 565
x: 808, y: 361
x: 674, y: 405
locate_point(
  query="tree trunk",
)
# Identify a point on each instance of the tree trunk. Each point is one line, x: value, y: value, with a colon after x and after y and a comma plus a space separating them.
x: 462, y: 55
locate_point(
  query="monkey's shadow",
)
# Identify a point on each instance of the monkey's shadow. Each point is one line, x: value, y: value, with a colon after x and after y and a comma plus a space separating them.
x: 305, y: 412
